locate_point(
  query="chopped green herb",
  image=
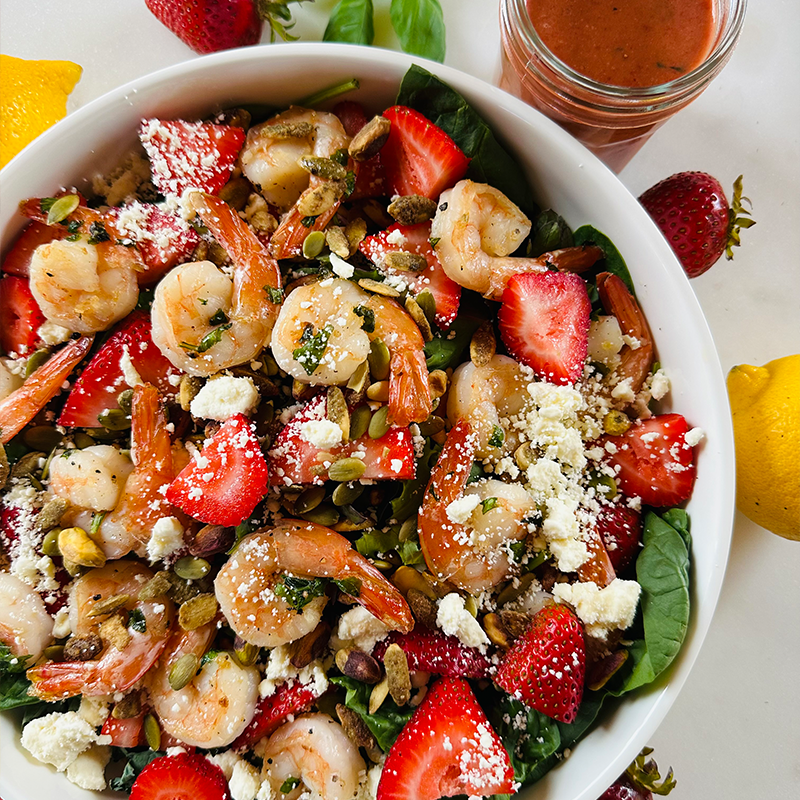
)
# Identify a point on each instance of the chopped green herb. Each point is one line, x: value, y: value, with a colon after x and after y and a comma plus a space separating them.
x: 73, y: 226
x: 351, y: 586
x: 137, y: 621
x: 98, y: 233
x: 434, y: 240
x: 350, y: 182
x: 476, y: 472
x: 289, y: 784
x: 340, y: 157
x: 219, y: 318
x: 498, y: 437
x: 46, y: 203
x: 308, y: 221
x: 208, y: 341
x: 203, y: 301
x: 488, y: 504
x: 209, y: 656
x: 274, y: 294
x: 299, y: 592
x: 368, y: 325
x: 310, y: 353
x: 97, y: 521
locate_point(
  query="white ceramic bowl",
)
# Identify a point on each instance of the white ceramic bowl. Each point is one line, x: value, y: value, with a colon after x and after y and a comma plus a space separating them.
x: 565, y: 177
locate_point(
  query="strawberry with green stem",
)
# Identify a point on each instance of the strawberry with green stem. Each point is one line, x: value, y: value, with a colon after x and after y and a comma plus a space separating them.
x: 640, y: 781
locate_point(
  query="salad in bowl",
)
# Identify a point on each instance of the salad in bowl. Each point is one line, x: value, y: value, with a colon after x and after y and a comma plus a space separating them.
x: 336, y: 462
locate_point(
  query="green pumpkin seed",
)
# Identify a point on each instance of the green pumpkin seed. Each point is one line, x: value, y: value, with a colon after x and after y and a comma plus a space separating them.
x: 104, y: 608
x: 114, y: 419
x: 427, y: 302
x: 183, y: 671
x: 359, y: 421
x: 152, y: 732
x: 337, y: 410
x: 471, y: 605
x: 247, y: 654
x: 191, y: 568
x: 42, y: 437
x: 50, y: 544
x: 324, y: 514
x: 81, y: 440
x: 524, y: 455
x: 268, y: 364
x: 309, y: 499
x: 616, y: 423
x: 130, y: 706
x: 54, y: 653
x: 378, y: 287
x: 189, y: 387
x: 346, y: 493
x: 379, y: 424
x: 359, y: 378
x: 125, y: 400
x: 313, y: 244
x: 62, y: 208
x: 603, y: 484
x: 197, y: 611
x: 379, y: 360
x: 346, y: 469
x: 35, y: 361
x: 408, y: 530
x: 103, y: 434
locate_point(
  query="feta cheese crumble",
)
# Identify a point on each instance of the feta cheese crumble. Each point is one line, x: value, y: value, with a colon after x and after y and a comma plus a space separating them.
x: 321, y: 433
x: 454, y: 620
x: 225, y: 397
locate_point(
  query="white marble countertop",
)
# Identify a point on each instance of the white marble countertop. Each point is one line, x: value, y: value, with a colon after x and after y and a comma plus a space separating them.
x: 734, y: 732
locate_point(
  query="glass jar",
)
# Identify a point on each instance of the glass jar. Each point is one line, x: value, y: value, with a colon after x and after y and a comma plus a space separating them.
x: 612, y: 121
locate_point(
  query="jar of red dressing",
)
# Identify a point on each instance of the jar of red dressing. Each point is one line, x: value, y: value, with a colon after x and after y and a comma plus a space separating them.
x: 612, y: 71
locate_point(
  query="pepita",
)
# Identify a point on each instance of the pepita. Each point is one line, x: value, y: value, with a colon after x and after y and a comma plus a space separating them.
x: 50, y: 544
x: 359, y: 379
x: 114, y: 419
x: 396, y: 665
x: 346, y: 469
x: 125, y: 400
x: 246, y: 654
x: 355, y: 232
x: 524, y: 455
x: 405, y: 262
x: 102, y: 608
x: 336, y: 410
x: 312, y: 247
x: 81, y: 440
x: 418, y: 315
x: 337, y: 241
x: 615, y: 423
x: 191, y: 568
x: 379, y: 359
x: 379, y: 423
x: 130, y: 706
x: 379, y: 391
x: 603, y: 484
x: 377, y: 287
x: 408, y: 530
x: 323, y: 167
x: 324, y: 514
x: 309, y: 499
x: 359, y: 421
x: 197, y: 611
x: 287, y: 130
x: 427, y: 302
x: 152, y: 732
x: 370, y: 139
x: 321, y: 198
x: 183, y: 671
x: 35, y: 361
x: 412, y: 209
x: 346, y: 493
x: 62, y: 208
x: 189, y: 387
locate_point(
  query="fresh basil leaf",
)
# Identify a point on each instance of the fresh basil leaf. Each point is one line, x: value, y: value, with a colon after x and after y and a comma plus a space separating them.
x: 351, y: 21
x: 9, y: 663
x: 386, y: 723
x: 613, y: 261
x: 135, y: 762
x: 548, y: 232
x: 490, y: 162
x: 368, y: 315
x: 419, y: 24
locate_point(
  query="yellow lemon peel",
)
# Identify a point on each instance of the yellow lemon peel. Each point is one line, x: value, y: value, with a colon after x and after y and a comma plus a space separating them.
x: 765, y: 402
x: 33, y: 97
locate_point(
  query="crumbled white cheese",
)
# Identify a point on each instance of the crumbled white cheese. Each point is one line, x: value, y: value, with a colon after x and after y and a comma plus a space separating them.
x: 454, y: 619
x: 226, y: 761
x: 460, y: 510
x: 94, y: 710
x: 694, y: 436
x: 52, y: 334
x: 624, y: 391
x: 244, y: 782
x: 61, y: 626
x: 601, y: 610
x: 58, y: 739
x: 362, y: 628
x: 165, y: 539
x: 322, y: 433
x: 224, y: 397
x: 396, y: 237
x: 659, y: 384
x: 88, y: 769
x: 280, y: 669
x: 368, y: 787
x: 129, y: 371
x: 341, y: 267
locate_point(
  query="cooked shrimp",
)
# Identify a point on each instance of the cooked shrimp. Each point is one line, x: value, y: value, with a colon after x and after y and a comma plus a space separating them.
x: 324, y: 316
x: 477, y: 227
x: 23, y: 404
x: 125, y: 658
x: 636, y: 357
x: 203, y: 321
x: 469, y: 553
x: 84, y: 287
x: 487, y: 396
x: 216, y: 705
x: 91, y: 478
x: 25, y: 625
x: 316, y: 750
x: 130, y: 525
x: 245, y: 586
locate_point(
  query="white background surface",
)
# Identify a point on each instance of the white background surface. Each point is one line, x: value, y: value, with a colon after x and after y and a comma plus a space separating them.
x: 734, y: 732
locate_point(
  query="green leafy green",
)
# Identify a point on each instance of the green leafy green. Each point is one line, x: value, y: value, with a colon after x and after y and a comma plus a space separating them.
x: 410, y: 497
x: 386, y: 723
x: 299, y: 592
x: 419, y: 25
x: 613, y: 261
x: 351, y: 586
x: 275, y: 294
x: 498, y: 436
x: 490, y: 162
x: 13, y: 683
x: 310, y: 353
x: 548, y: 232
x: 208, y: 341
x: 374, y: 543
x: 289, y: 784
x: 446, y: 347
x: 135, y: 762
x: 368, y: 315
x: 351, y: 21
x: 488, y: 504
x: 137, y: 621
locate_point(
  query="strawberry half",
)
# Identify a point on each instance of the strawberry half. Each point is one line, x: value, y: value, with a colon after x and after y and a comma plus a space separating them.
x: 18, y: 258
x: 434, y: 651
x: 416, y: 239
x: 226, y: 481
x: 190, y: 155
x: 20, y: 316
x: 653, y: 461
x: 127, y: 732
x: 693, y: 213
x: 544, y: 322
x: 293, y: 458
x: 447, y: 748
x: 545, y: 666
x: 620, y: 528
x: 102, y: 380
x: 419, y: 157
x: 371, y: 176
x: 181, y: 777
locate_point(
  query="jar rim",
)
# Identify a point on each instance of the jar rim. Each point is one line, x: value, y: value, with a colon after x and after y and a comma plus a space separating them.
x: 687, y: 83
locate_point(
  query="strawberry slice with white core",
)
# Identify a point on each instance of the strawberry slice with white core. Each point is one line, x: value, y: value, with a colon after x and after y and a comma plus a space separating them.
x: 544, y: 322
x: 190, y: 155
x: 447, y: 748
x: 224, y: 483
x: 186, y: 776
x: 416, y: 239
x: 305, y: 445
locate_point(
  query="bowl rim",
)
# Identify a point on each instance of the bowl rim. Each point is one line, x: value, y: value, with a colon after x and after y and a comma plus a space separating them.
x: 663, y: 693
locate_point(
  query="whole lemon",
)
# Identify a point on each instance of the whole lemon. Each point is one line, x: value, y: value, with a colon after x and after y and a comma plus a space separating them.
x: 33, y: 96
x: 765, y: 402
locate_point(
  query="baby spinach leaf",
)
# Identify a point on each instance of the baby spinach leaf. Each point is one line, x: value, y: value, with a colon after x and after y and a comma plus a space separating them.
x: 419, y: 24
x: 548, y: 232
x: 386, y: 723
x: 410, y: 497
x: 13, y: 683
x: 613, y: 261
x: 490, y: 162
x: 135, y: 762
x: 351, y: 21
x: 446, y: 347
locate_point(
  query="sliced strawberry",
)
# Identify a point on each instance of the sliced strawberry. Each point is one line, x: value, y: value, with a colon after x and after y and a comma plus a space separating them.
x: 127, y: 732
x: 621, y: 530
x: 102, y: 380
x: 419, y: 157
x: 416, y: 239
x: 293, y: 459
x: 18, y: 259
x: 190, y: 155
x: 162, y: 238
x: 545, y: 667
x: 544, y: 322
x: 290, y: 698
x: 226, y: 481
x: 434, y: 651
x: 20, y: 316
x: 447, y: 748
x: 371, y: 176
x: 181, y: 777
x: 653, y: 460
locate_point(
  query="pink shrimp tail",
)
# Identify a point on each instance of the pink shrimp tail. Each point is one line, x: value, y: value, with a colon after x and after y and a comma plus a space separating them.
x: 287, y: 240
x: 409, y: 393
x: 56, y: 680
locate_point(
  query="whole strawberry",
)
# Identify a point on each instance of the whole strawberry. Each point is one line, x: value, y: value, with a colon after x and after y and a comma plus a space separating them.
x: 693, y: 213
x: 640, y: 781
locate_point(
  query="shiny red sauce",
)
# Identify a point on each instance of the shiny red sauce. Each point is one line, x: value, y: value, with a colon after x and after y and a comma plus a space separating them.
x: 635, y: 43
